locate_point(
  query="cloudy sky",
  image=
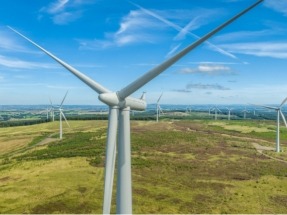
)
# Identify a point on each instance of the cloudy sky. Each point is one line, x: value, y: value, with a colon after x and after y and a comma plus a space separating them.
x: 116, y: 41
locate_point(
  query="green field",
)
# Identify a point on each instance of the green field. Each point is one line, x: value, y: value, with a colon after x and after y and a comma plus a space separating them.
x: 185, y: 166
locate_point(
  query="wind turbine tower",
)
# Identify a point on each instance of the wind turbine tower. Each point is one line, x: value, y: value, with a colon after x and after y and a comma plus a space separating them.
x: 244, y: 113
x: 229, y: 111
x: 215, y: 112
x: 210, y: 109
x: 52, y: 110
x: 279, y: 112
x: 158, y: 108
x: 47, y: 111
x: 61, y: 114
x: 120, y: 103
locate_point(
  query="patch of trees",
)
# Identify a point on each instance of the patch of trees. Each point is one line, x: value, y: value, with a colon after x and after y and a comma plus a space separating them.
x: 22, y: 122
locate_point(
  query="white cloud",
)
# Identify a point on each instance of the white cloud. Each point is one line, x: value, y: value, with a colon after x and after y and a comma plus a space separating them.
x: 241, y: 35
x: 192, y: 25
x: 133, y: 28
x: 19, y: 64
x: 182, y: 90
x: 198, y: 18
x: 260, y: 49
x: 136, y: 27
x: 57, y: 6
x: 94, y: 44
x: 206, y: 86
x: 213, y: 62
x: 209, y: 69
x: 173, y: 50
x: 7, y: 43
x: 277, y: 5
x: 63, y: 12
x: 66, y: 17
x: 146, y: 26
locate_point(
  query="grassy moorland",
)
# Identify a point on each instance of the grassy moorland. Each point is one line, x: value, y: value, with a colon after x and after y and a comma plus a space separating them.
x: 181, y: 166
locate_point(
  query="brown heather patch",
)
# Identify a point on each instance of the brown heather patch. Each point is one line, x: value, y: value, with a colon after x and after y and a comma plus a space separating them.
x: 4, y: 179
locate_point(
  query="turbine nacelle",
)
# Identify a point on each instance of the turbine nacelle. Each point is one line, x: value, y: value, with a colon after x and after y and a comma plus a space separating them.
x: 112, y: 99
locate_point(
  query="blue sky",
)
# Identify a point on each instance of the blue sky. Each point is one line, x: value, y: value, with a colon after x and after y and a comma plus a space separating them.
x: 115, y: 41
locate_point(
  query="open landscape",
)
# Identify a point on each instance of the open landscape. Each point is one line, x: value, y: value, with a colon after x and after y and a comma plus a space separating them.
x: 122, y: 107
x: 178, y: 166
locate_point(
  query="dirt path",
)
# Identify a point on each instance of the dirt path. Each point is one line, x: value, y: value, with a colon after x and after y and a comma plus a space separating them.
x: 47, y: 140
x: 260, y: 148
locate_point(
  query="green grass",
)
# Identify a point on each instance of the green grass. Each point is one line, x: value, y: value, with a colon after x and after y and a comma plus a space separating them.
x: 51, y: 186
x: 75, y: 145
x: 177, y: 167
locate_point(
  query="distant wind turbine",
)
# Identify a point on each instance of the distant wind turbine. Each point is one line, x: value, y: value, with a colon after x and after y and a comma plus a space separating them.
x: 210, y: 109
x: 229, y: 111
x: 158, y: 109
x: 188, y: 109
x: 61, y: 114
x: 279, y: 112
x: 215, y: 112
x: 120, y: 104
x: 244, y: 113
x: 254, y: 112
x: 47, y: 111
x: 52, y: 110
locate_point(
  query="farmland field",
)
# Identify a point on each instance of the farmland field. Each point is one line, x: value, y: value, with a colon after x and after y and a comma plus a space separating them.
x: 186, y: 166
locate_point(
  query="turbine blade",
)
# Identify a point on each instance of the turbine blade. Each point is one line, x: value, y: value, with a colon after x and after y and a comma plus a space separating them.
x: 159, y: 98
x: 160, y: 109
x: 64, y: 99
x: 283, y: 102
x: 50, y: 101
x: 143, y: 96
x: 265, y: 106
x: 138, y: 83
x: 65, y: 118
x: 283, y: 117
x: 91, y: 83
x: 110, y: 159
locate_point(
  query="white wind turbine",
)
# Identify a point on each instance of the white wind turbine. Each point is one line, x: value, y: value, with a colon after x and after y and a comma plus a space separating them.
x: 229, y: 111
x: 244, y: 113
x: 47, y: 112
x: 158, y: 109
x: 52, y: 110
x: 279, y: 112
x: 61, y: 114
x: 215, y: 109
x: 210, y: 109
x: 120, y: 105
x: 254, y: 112
x: 188, y: 109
